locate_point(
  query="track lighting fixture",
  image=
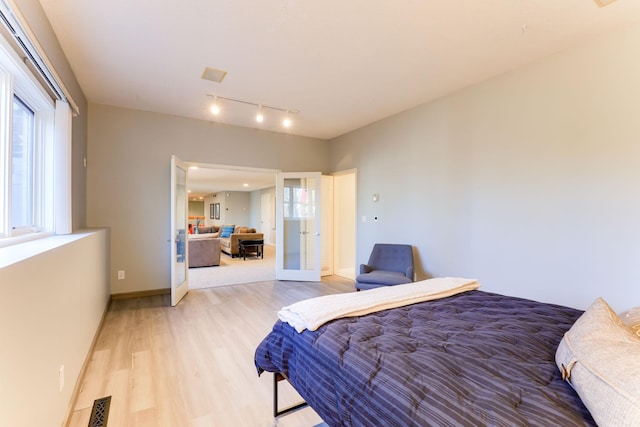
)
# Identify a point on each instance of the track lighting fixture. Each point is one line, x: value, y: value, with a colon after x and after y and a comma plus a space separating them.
x: 259, y: 116
x: 286, y: 122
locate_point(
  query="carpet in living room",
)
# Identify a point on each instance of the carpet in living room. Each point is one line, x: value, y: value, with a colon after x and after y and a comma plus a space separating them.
x: 234, y: 271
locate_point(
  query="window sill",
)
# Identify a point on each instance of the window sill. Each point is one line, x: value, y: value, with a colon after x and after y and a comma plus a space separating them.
x: 10, y: 241
x: 26, y: 249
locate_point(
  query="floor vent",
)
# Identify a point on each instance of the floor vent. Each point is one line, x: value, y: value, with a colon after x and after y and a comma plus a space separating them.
x: 100, y: 412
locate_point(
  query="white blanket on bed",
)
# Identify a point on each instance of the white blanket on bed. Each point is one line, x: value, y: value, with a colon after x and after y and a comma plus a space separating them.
x: 313, y: 313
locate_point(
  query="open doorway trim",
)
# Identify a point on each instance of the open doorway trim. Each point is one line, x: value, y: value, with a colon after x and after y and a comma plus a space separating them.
x: 232, y: 167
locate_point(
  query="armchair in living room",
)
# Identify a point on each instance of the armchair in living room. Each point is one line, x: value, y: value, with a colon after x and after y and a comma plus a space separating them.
x: 388, y: 265
x: 204, y: 250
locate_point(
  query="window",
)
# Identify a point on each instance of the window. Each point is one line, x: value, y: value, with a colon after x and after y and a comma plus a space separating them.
x: 22, y: 167
x: 27, y: 119
x: 298, y: 201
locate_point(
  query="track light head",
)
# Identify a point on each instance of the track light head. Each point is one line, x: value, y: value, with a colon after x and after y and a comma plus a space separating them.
x: 286, y: 122
x: 259, y: 115
x: 215, y: 108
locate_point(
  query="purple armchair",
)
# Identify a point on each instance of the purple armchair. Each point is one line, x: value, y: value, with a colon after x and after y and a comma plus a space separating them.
x: 388, y: 265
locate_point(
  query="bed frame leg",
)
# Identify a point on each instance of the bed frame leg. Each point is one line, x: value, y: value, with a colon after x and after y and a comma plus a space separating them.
x: 277, y: 377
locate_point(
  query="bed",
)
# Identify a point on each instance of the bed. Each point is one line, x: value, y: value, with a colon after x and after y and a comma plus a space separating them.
x: 472, y: 359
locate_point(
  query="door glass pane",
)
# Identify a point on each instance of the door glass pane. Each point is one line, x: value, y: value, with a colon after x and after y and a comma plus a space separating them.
x: 22, y: 164
x: 299, y: 205
x: 180, y: 221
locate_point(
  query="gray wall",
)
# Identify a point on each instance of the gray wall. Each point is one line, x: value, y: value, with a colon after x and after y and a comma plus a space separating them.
x: 129, y: 173
x: 527, y: 182
x: 237, y: 208
x: 40, y: 26
x: 196, y: 208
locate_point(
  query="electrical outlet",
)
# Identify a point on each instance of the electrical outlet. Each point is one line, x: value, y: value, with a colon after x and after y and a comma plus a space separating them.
x: 120, y: 274
x: 61, y: 377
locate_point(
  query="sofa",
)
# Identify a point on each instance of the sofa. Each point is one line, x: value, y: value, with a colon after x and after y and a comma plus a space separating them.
x: 229, y: 244
x: 204, y: 250
x: 214, y: 229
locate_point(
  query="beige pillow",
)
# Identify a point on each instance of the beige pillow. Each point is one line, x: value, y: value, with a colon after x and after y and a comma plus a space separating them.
x: 631, y: 318
x: 200, y: 236
x: 600, y: 357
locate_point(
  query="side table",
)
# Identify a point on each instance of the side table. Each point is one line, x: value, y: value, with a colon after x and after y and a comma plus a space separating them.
x: 250, y: 246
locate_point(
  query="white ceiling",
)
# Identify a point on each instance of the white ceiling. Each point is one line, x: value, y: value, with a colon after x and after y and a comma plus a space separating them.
x: 206, y: 179
x: 343, y: 64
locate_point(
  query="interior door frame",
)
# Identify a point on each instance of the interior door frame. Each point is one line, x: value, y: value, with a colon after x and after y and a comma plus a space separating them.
x: 345, y: 211
x: 266, y: 222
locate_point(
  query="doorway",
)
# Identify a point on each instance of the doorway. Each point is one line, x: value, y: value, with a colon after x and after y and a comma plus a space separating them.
x: 344, y: 224
x: 260, y: 211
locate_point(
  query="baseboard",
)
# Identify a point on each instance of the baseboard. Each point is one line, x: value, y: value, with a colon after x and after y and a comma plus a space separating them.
x: 85, y: 365
x: 138, y: 294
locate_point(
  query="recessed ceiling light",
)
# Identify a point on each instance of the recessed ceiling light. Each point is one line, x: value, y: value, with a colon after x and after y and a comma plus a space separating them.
x: 213, y: 74
x: 245, y: 185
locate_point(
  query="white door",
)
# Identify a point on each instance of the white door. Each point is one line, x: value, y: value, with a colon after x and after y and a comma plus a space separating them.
x: 298, y: 226
x: 265, y: 217
x: 179, y: 266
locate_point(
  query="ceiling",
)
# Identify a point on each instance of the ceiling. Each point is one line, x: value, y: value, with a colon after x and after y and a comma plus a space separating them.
x: 342, y: 64
x: 207, y: 179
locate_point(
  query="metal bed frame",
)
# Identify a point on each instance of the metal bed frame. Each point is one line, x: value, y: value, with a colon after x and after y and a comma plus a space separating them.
x: 277, y: 377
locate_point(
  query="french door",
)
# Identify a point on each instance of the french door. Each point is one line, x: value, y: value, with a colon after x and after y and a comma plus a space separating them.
x: 179, y: 266
x: 298, y: 226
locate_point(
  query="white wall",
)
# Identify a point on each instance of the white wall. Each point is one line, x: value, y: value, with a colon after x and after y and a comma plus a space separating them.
x: 528, y: 181
x: 50, y: 309
x: 128, y: 178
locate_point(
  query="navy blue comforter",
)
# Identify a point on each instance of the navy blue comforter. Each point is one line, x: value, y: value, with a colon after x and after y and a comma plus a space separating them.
x: 474, y: 359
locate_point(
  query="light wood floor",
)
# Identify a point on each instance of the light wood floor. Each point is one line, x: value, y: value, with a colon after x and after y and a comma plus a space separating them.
x: 192, y: 365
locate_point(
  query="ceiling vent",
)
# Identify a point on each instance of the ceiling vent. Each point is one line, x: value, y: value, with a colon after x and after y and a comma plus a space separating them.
x: 214, y: 74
